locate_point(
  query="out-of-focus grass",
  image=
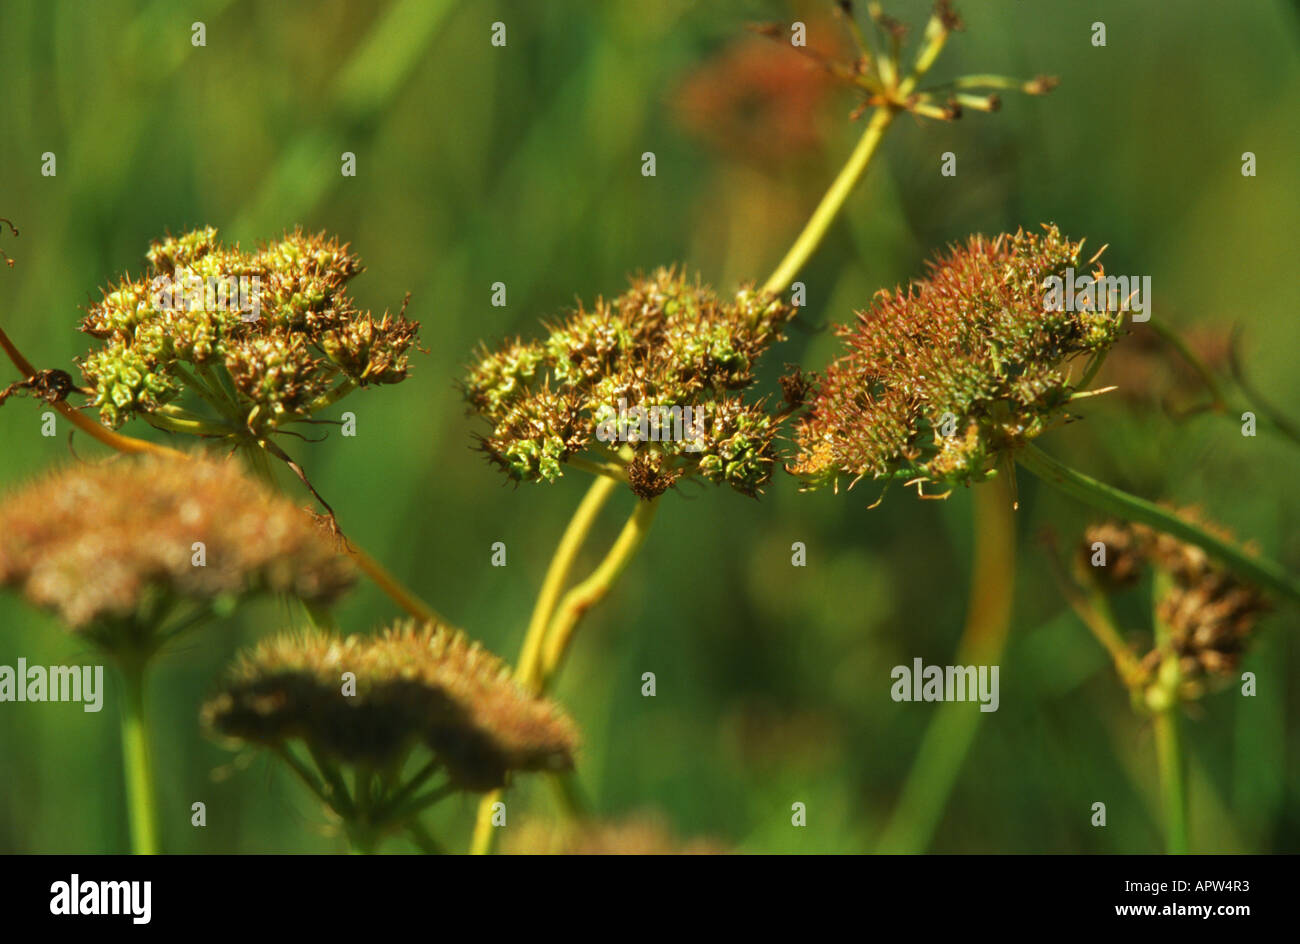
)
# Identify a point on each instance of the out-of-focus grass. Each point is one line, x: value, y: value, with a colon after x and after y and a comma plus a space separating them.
x: 522, y: 164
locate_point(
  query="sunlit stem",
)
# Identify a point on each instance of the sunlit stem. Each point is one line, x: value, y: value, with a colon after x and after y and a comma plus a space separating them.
x: 526, y: 669
x: 591, y: 591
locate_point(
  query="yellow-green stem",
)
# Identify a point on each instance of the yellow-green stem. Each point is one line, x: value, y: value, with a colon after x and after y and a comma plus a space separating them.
x: 950, y: 734
x: 820, y: 221
x: 1163, y: 699
x: 557, y: 574
x: 393, y: 588
x: 1169, y: 757
x: 592, y: 590
x: 137, y: 763
x: 1260, y: 570
x: 526, y: 669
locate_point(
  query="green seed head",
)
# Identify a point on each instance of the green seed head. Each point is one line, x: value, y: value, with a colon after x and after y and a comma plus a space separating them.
x: 665, y: 345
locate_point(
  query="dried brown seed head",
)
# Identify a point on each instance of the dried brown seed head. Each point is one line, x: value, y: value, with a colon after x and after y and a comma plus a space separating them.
x: 414, y: 685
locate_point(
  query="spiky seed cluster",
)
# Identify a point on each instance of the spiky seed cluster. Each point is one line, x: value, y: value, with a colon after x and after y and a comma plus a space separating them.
x: 1210, y: 613
x: 105, y: 542
x: 414, y: 685
x: 306, y: 340
x: 664, y: 343
x: 640, y: 834
x: 970, y: 350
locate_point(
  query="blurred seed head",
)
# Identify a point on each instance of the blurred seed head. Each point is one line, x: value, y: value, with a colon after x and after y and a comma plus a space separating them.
x: 414, y: 685
x: 641, y: 834
x: 971, y: 344
x: 1211, y: 613
x: 1125, y: 557
x: 664, y: 342
x: 109, y: 542
x: 759, y: 102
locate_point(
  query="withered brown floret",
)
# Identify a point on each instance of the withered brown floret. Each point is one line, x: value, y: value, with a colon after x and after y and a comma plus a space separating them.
x: 1210, y: 613
x: 1123, y: 555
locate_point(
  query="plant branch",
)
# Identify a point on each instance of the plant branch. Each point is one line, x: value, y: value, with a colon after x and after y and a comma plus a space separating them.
x: 526, y: 669
x: 820, y: 222
x: 951, y: 733
x: 85, y: 424
x: 1260, y: 570
x: 591, y: 591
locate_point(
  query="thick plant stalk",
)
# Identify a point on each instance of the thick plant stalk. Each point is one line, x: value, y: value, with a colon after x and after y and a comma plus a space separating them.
x: 948, y: 738
x: 592, y: 590
x: 1169, y: 757
x: 1260, y: 570
x: 526, y: 670
x: 137, y: 763
x: 557, y: 574
x: 554, y: 642
x: 1163, y: 700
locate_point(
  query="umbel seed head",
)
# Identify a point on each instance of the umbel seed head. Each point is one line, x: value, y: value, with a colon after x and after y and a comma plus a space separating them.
x: 943, y: 378
x: 110, y: 542
x: 277, y: 322
x: 414, y: 685
x: 664, y: 345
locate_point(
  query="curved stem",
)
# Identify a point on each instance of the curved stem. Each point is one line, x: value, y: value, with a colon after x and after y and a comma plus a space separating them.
x: 85, y: 424
x: 393, y: 588
x: 1260, y: 570
x: 592, y: 590
x: 557, y: 574
x: 820, y: 221
x: 948, y: 738
x: 529, y: 656
x: 137, y: 763
x: 936, y: 35
x: 556, y: 639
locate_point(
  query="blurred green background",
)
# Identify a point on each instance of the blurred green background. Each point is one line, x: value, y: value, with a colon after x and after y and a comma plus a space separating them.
x: 522, y: 164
